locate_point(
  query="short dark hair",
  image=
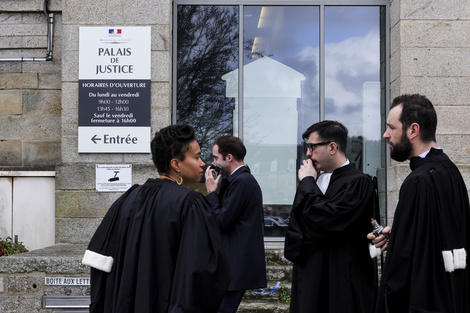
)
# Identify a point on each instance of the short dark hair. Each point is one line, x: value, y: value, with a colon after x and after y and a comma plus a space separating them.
x: 418, y: 109
x: 329, y: 131
x: 169, y: 143
x: 232, y: 145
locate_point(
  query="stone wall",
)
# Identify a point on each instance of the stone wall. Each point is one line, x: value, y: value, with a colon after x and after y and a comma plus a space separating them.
x: 78, y: 207
x: 23, y: 283
x: 430, y: 55
x: 39, y: 100
x: 39, y: 111
x: 30, y: 92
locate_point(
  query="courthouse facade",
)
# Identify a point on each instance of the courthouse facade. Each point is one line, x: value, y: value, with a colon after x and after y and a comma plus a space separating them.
x: 84, y: 85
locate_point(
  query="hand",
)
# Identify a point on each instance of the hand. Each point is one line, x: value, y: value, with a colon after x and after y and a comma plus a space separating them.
x: 380, y: 242
x: 211, y: 183
x: 307, y: 169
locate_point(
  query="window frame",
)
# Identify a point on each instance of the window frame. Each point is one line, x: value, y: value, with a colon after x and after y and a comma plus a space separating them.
x: 385, y: 81
x: 322, y: 4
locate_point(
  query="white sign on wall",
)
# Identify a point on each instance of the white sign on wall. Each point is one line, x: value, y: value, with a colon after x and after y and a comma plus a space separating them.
x: 113, y: 177
x: 114, y: 90
x: 67, y: 281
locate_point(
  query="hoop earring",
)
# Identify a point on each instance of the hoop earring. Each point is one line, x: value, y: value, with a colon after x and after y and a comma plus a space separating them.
x: 179, y: 179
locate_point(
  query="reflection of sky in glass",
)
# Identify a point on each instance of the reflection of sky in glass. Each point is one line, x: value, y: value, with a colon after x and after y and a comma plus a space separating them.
x: 284, y: 33
x: 290, y: 35
x: 281, y: 84
x: 352, y: 68
x: 280, y: 92
x: 342, y: 23
x: 285, y: 30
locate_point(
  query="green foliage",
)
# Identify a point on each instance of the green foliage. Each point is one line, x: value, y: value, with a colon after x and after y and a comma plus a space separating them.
x: 8, y: 247
x: 271, y: 262
x: 284, y: 296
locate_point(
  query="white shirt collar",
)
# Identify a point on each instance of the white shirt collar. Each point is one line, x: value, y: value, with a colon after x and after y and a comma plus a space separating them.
x: 237, y: 169
x: 424, y: 154
x: 324, y: 179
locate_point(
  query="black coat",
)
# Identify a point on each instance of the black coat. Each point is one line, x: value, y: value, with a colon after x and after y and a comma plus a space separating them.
x: 327, y: 241
x: 432, y: 216
x: 166, y: 253
x: 239, y: 213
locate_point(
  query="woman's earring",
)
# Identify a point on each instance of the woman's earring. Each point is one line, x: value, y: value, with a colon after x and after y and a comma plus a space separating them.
x: 179, y: 179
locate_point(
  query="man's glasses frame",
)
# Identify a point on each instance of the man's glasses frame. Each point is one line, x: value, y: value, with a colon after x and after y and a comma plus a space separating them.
x: 312, y: 146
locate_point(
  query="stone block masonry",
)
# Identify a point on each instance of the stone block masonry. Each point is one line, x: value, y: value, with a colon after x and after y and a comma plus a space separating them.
x: 30, y: 94
x: 57, y: 271
x: 23, y: 280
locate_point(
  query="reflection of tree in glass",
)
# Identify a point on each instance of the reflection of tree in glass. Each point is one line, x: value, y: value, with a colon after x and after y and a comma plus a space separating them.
x: 207, y: 49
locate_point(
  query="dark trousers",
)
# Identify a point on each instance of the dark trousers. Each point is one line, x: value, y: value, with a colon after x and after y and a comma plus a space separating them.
x: 231, y: 301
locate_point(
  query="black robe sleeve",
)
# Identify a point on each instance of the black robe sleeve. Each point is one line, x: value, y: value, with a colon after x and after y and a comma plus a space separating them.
x: 429, y: 225
x: 410, y: 227
x: 202, y: 272
x: 166, y: 250
x: 100, y: 253
x: 327, y: 241
x: 338, y: 214
x: 317, y: 219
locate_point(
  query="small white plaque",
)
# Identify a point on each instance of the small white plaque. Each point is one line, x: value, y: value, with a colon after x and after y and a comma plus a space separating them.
x: 67, y: 281
x: 113, y: 177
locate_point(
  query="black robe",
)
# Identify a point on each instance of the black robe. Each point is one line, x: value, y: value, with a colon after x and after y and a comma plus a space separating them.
x: 431, y: 220
x: 158, y: 249
x: 326, y: 240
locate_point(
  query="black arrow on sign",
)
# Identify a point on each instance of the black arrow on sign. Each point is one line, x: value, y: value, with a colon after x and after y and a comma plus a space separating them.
x: 94, y: 139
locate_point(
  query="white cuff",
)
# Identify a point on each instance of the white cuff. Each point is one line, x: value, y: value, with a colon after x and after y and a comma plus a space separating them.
x: 455, y: 259
x: 98, y: 261
x: 448, y: 260
x: 374, y: 251
x: 460, y: 258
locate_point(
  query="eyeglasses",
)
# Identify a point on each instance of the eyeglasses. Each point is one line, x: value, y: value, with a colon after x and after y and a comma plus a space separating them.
x: 312, y: 146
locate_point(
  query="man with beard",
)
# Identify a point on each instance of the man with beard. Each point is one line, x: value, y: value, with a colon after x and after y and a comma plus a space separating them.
x: 425, y: 268
x: 326, y: 238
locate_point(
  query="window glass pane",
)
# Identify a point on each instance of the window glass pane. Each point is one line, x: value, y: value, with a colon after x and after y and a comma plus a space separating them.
x: 207, y: 49
x: 352, y: 80
x: 280, y: 81
x: 281, y: 96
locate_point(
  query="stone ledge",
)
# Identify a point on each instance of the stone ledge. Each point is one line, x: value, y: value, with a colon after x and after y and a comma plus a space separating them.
x: 58, y: 259
x: 263, y: 307
x: 66, y: 259
x: 22, y: 284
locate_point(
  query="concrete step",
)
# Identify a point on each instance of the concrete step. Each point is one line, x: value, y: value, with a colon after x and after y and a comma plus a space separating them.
x: 263, y: 307
x: 277, y: 273
x: 274, y: 252
x: 281, y: 294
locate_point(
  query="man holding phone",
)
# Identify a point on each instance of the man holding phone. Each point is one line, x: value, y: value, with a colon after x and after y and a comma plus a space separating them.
x: 238, y: 208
